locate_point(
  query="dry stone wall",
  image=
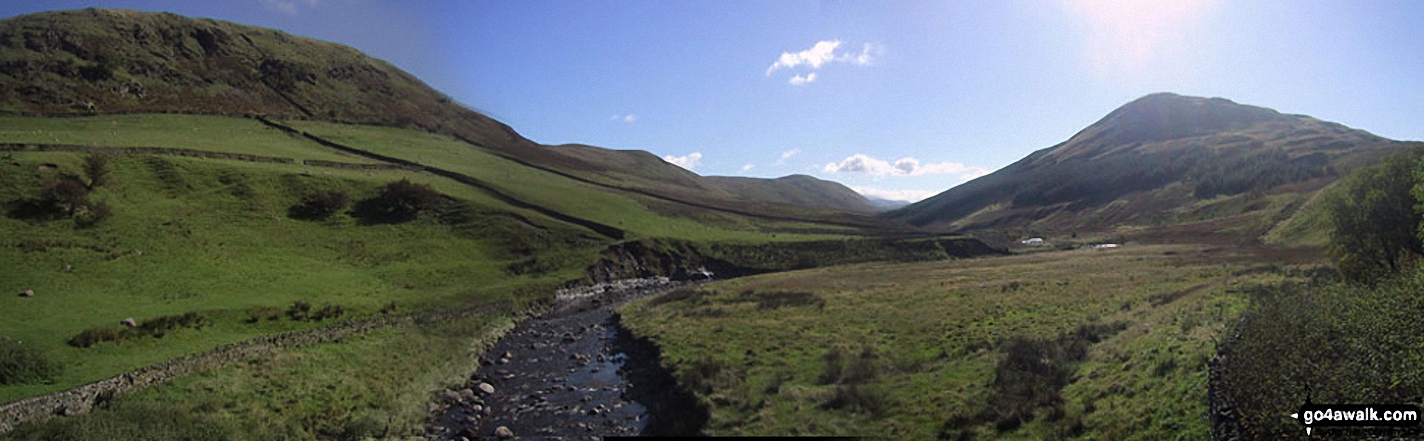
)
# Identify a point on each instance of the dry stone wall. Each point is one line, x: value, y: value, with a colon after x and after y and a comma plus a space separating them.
x: 83, y: 398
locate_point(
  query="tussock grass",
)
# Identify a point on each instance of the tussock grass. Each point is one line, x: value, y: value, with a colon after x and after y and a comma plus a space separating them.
x: 910, y: 350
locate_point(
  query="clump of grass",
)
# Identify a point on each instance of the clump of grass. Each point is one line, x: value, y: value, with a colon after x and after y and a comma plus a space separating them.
x: 132, y: 421
x: 156, y: 327
x: 22, y: 364
x: 856, y: 398
x: 259, y: 314
x: 299, y: 310
x: 701, y: 375
x: 1030, y: 376
x: 840, y: 368
x: 320, y: 205
x: 782, y: 299
x: 693, y: 296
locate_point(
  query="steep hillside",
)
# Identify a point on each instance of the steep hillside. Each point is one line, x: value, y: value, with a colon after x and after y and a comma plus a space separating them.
x: 99, y: 61
x: 1163, y: 159
x: 798, y: 190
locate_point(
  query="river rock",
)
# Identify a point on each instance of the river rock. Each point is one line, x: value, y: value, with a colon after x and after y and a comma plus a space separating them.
x: 466, y: 396
x: 503, y: 432
x: 486, y: 388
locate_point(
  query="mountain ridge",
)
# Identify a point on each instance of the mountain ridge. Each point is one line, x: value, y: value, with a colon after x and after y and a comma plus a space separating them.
x: 1162, y: 159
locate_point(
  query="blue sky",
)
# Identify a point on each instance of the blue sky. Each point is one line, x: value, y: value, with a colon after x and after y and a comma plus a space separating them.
x: 897, y: 99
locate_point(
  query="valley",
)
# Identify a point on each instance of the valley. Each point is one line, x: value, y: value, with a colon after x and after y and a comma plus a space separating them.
x: 212, y: 230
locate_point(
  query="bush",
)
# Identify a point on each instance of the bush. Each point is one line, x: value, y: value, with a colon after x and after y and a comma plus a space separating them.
x: 158, y: 326
x: 299, y: 310
x: 96, y: 168
x: 65, y: 194
x: 93, y: 214
x: 267, y: 313
x: 856, y: 399
x: 92, y: 336
x: 320, y: 205
x: 1373, y: 219
x: 408, y: 198
x: 328, y: 311
x: 21, y: 364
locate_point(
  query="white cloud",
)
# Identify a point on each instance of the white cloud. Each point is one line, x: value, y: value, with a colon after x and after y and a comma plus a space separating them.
x: 907, y: 195
x: 859, y: 163
x: 787, y: 155
x: 688, y: 161
x: 801, y: 81
x: 624, y: 118
x: 865, y: 57
x: 820, y: 53
x: 289, y: 7
x: 748, y: 167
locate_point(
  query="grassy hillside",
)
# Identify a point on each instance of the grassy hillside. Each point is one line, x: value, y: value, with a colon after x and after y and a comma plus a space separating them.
x: 97, y: 61
x: 1161, y: 160
x: 1090, y: 344
x: 797, y: 190
x: 216, y: 238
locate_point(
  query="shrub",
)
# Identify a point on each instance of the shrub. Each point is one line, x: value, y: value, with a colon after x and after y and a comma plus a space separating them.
x: 92, y: 214
x: 320, y: 205
x: 856, y: 399
x: 328, y: 311
x: 92, y: 336
x: 408, y: 198
x: 96, y: 168
x: 21, y: 364
x: 299, y: 310
x: 158, y: 326
x: 65, y: 194
x: 268, y: 313
x: 1373, y: 219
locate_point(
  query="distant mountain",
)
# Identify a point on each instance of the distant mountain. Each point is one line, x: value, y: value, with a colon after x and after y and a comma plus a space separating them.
x: 1162, y: 159
x: 97, y: 61
x: 798, y: 190
x: 886, y: 204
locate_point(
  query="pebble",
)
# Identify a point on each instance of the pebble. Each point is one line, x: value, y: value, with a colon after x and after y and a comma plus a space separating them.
x: 486, y: 388
x: 503, y: 432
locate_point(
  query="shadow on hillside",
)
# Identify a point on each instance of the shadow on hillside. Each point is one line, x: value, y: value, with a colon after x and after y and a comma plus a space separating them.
x: 374, y: 211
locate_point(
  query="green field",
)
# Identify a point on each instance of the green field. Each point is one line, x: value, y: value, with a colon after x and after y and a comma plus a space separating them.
x: 914, y: 350
x: 639, y: 215
x: 215, y: 237
x: 199, y: 132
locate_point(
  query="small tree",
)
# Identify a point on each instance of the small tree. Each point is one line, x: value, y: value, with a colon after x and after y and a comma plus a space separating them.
x: 66, y: 194
x: 408, y: 198
x: 96, y: 168
x: 1373, y: 219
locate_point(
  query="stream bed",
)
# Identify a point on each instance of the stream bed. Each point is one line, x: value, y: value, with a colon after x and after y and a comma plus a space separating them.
x: 572, y: 373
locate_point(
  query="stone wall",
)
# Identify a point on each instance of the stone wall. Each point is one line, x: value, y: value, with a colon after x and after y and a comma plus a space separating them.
x: 81, y: 399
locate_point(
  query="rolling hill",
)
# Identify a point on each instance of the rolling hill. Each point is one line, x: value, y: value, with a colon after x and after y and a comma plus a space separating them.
x: 1162, y: 160
x: 799, y: 190
x: 99, y: 61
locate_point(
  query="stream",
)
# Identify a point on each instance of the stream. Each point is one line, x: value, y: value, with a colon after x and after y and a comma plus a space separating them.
x: 574, y: 372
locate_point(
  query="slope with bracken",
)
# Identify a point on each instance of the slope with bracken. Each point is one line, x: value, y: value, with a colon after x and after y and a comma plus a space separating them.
x: 1207, y: 165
